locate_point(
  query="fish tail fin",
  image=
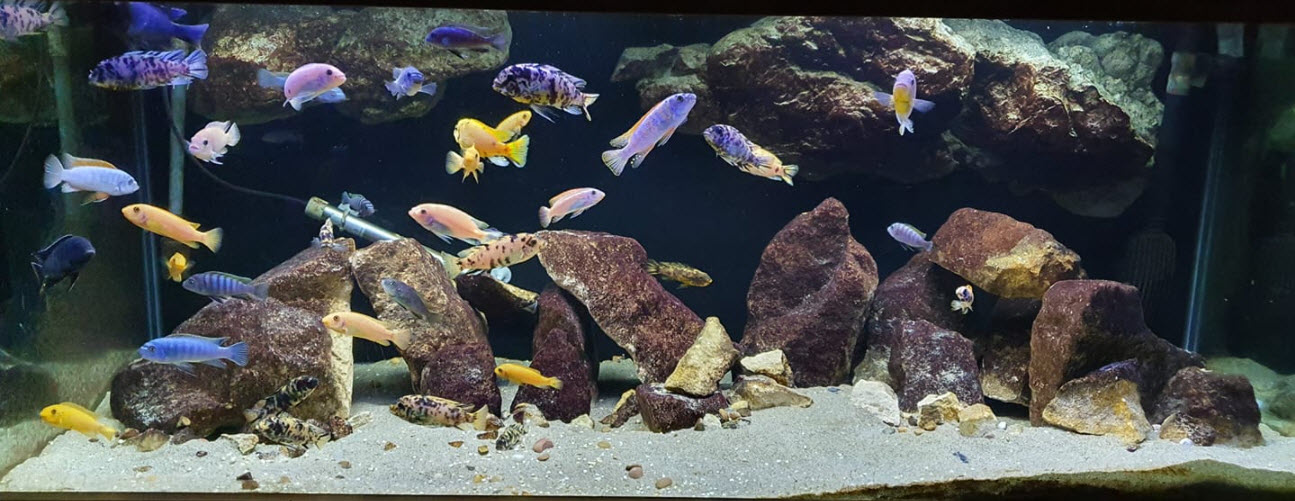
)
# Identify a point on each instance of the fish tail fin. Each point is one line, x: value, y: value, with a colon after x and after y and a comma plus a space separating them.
x: 266, y: 78
x: 518, y: 150
x: 491, y: 234
x: 481, y: 418
x: 53, y: 171
x: 213, y: 238
x: 453, y: 162
x: 401, y: 339
x: 555, y: 383
x: 238, y: 353
x: 615, y: 160
x: 790, y: 171
x: 652, y: 267
x: 192, y: 33
x: 545, y: 218
x: 261, y: 291
x: 233, y: 136
x: 197, y: 63
x: 394, y: 89
x: 108, y: 432
x: 499, y: 42
x: 928, y: 245
x: 57, y: 16
x: 589, y: 99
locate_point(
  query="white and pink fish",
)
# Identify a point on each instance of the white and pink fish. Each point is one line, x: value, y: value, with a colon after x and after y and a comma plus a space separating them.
x: 213, y: 141
x: 448, y: 222
x: 24, y: 17
x: 307, y: 83
x: 654, y: 129
x: 572, y: 202
x: 903, y: 99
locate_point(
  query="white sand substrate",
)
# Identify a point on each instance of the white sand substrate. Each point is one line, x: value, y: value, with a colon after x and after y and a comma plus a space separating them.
x: 830, y: 447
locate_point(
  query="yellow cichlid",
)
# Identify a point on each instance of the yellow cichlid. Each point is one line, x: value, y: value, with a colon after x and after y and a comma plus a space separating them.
x: 497, y: 146
x: 512, y: 126
x: 525, y: 375
x: 469, y: 162
x: 71, y: 416
x: 366, y: 327
x: 176, y: 266
x: 162, y: 222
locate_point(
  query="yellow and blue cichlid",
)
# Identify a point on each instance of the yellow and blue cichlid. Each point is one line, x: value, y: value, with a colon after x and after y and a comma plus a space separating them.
x: 903, y: 100
x: 525, y: 375
x: 71, y: 416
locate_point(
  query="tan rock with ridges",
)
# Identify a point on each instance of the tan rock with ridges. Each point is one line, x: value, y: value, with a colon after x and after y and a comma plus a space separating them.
x: 772, y: 363
x: 705, y: 363
x: 1099, y: 408
x: 762, y: 392
x: 934, y: 410
x: 976, y: 420
x: 1004, y: 256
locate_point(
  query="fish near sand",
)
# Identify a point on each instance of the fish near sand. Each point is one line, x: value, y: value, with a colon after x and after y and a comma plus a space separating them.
x: 307, y: 83
x: 510, y: 437
x: 22, y: 18
x: 521, y: 374
x: 101, y: 179
x: 162, y: 222
x: 545, y: 88
x: 184, y: 350
x: 500, y: 253
x: 176, y: 266
x: 447, y: 222
x: 429, y: 410
x: 963, y: 297
x: 407, y: 298
x: 140, y: 70
x: 288, y: 396
x: 652, y: 130
x: 458, y: 38
x: 291, y: 431
x: 366, y: 327
x: 909, y: 237
x: 70, y: 416
x: 222, y: 286
x: 62, y: 259
x: 213, y: 141
x: 494, y: 145
x: 733, y: 147
x: 408, y: 82
x: 573, y: 202
x: 903, y: 99
x: 152, y: 23
x: 684, y: 275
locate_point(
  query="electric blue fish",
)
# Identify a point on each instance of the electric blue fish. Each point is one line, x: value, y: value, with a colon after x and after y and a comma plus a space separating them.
x: 221, y: 286
x: 184, y: 350
x: 62, y: 259
x: 149, y: 22
x: 459, y: 37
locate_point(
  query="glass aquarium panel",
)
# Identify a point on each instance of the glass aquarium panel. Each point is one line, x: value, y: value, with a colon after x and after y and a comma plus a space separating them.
x: 409, y: 250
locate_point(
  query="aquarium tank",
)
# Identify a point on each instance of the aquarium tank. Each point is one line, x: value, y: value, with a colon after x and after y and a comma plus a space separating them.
x: 408, y: 250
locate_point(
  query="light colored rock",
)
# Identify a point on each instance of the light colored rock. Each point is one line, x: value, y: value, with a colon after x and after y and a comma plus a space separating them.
x: 583, y: 421
x: 762, y: 392
x: 976, y: 420
x: 705, y: 362
x: 708, y: 422
x: 934, y: 410
x: 244, y: 442
x: 878, y: 399
x: 771, y: 363
x: 742, y: 407
x: 1100, y: 409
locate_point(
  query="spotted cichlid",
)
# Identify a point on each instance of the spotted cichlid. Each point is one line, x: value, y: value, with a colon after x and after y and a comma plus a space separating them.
x: 685, y: 275
x: 734, y: 148
x: 510, y: 437
x: 222, y: 286
x: 288, y: 396
x: 545, y: 88
x: 139, y: 70
x: 24, y: 17
x: 500, y: 253
x: 288, y: 430
x: 429, y: 410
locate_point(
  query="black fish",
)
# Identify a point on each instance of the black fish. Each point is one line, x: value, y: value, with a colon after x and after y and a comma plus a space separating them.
x: 62, y: 259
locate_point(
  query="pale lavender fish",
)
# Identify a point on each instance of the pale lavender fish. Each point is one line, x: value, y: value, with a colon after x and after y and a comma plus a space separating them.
x: 20, y: 18
x: 183, y: 350
x: 909, y: 236
x: 221, y: 286
x: 653, y: 130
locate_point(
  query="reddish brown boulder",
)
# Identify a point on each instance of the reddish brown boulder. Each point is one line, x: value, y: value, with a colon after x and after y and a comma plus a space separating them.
x: 1209, y: 408
x: 810, y: 296
x: 928, y: 360
x: 560, y: 351
x: 1004, y: 256
x: 605, y: 272
x: 462, y: 372
x: 509, y: 311
x: 664, y: 411
x: 919, y: 290
x: 1087, y: 324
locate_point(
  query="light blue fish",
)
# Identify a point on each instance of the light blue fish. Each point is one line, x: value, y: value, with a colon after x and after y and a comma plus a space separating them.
x: 408, y: 81
x: 908, y: 236
x: 184, y: 350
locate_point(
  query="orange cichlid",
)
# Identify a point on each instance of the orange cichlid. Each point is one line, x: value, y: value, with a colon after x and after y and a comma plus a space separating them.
x: 525, y: 375
x: 469, y: 162
x: 176, y: 266
x: 496, y: 146
x: 162, y: 222
x: 71, y: 416
x: 366, y: 327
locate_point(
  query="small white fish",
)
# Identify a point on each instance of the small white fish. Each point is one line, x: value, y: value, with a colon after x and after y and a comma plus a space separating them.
x: 964, y: 296
x: 213, y: 141
x: 572, y: 202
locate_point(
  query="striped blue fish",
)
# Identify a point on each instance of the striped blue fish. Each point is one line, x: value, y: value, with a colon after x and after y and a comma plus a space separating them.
x: 909, y: 237
x: 184, y: 350
x: 221, y: 286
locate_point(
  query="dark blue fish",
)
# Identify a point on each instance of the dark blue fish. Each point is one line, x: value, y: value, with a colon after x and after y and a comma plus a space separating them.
x: 356, y: 204
x: 459, y: 37
x: 62, y: 259
x: 182, y: 350
x: 221, y: 286
x: 149, y: 22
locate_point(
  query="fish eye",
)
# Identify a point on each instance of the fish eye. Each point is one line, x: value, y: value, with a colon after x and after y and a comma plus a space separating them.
x: 204, y: 142
x: 422, y: 211
x: 135, y: 209
x: 328, y: 72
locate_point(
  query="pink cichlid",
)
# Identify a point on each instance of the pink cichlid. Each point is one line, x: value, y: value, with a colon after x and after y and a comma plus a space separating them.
x: 653, y: 130
x: 572, y: 202
x: 447, y: 222
x: 213, y: 141
x: 309, y: 82
x: 903, y: 100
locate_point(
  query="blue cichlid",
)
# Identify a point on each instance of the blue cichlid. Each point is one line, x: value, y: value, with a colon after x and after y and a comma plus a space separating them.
x: 183, y: 350
x: 356, y: 204
x: 221, y: 286
x: 408, y: 81
x: 457, y: 38
x: 909, y: 237
x: 19, y: 18
x: 62, y: 259
x: 139, y: 70
x: 733, y: 147
x: 407, y: 298
x: 149, y: 22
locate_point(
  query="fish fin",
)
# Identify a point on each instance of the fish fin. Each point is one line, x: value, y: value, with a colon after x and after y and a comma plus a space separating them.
x: 191, y: 245
x: 185, y: 367
x: 193, y: 224
x: 94, y: 198
x: 232, y: 134
x: 682, y: 286
x: 545, y: 112
x: 790, y: 171
x: 577, y: 214
x: 212, y: 239
x: 499, y: 42
x: 334, y: 95
x: 217, y: 363
x: 544, y: 217
x: 445, y: 238
x: 401, y: 339
x: 108, y: 432
x: 197, y: 63
x: 499, y: 161
x: 518, y: 150
x: 457, y: 53
x: 261, y: 291
x: 206, y: 339
x: 72, y: 280
x: 652, y: 267
x: 175, y: 13
x: 883, y: 98
x: 429, y: 89
x: 269, y: 79
x: 666, y: 137
x: 465, y: 252
x: 67, y: 188
x: 637, y: 159
x: 395, y: 74
x: 614, y: 160
x: 192, y: 33
x: 57, y: 16
x: 78, y: 407
x: 589, y: 99
x: 296, y: 102
x: 922, y: 105
x: 394, y: 90
x: 53, y: 172
x: 481, y: 418
x: 906, y: 124
x: 492, y: 234
x: 555, y: 383
x: 453, y: 162
x: 238, y: 353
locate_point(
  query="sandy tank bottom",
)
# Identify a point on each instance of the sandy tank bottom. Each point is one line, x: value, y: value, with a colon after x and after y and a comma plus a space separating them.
x: 828, y: 448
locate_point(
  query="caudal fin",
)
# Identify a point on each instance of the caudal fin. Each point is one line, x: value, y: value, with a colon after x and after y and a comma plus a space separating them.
x: 652, y: 267
x: 589, y: 99
x: 108, y: 432
x: 555, y: 383
x: 394, y: 90
x: 233, y: 136
x: 57, y: 16
x: 499, y: 42
x: 481, y: 418
x: 791, y: 171
x: 213, y: 238
x: 266, y: 78
x: 197, y: 63
x: 544, y: 217
x: 261, y: 291
x: 53, y: 172
x: 400, y: 338
x: 517, y: 151
x: 237, y: 353
x: 453, y: 162
x: 615, y: 160
x: 191, y: 33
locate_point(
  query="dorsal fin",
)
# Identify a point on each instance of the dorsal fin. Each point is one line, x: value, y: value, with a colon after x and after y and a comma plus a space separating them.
x: 213, y: 340
x: 72, y: 161
x: 561, y: 195
x: 233, y: 276
x: 77, y: 406
x: 44, y: 253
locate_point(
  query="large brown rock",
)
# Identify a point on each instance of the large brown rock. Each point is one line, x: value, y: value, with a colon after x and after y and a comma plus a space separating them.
x: 810, y: 296
x: 455, y: 324
x: 919, y: 290
x: 664, y: 411
x: 283, y: 341
x: 1209, y: 408
x: 1004, y: 256
x: 364, y: 43
x: 605, y: 273
x: 1105, y: 402
x: 509, y: 310
x: 928, y: 360
x: 1086, y: 324
x: 560, y: 351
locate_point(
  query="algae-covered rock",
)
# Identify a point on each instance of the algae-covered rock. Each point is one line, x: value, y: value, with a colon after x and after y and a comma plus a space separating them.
x: 705, y: 362
x: 929, y: 360
x: 1209, y: 408
x: 364, y: 43
x: 1105, y: 402
x: 1004, y: 256
x: 933, y: 410
x: 919, y: 290
x: 665, y: 411
x: 560, y: 352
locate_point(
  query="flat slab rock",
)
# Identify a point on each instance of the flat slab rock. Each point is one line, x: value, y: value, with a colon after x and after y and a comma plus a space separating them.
x: 664, y: 411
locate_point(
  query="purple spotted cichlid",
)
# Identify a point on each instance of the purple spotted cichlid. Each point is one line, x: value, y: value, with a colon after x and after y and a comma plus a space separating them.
x: 21, y: 18
x: 139, y: 70
x: 545, y: 89
x: 733, y: 147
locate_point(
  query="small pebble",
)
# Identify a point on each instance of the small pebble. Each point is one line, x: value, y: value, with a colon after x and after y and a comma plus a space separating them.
x: 888, y: 431
x: 143, y: 469
x: 833, y: 389
x: 543, y: 457
x: 472, y: 468
x: 129, y: 434
x: 478, y: 478
x: 664, y: 482
x: 250, y: 485
x: 635, y: 471
x: 390, y: 446
x: 917, y: 431
x: 340, y: 477
x: 456, y: 444
x: 284, y: 479
x: 483, y: 450
x: 902, y: 429
x: 604, y: 445
x: 94, y: 440
x: 1002, y: 425
x: 489, y: 435
x: 201, y: 454
x: 542, y: 445
x: 245, y: 476
x: 184, y: 421
x: 346, y: 465
x: 1132, y: 448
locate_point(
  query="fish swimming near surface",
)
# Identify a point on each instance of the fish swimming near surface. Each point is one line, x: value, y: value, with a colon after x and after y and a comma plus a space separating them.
x: 176, y: 266
x: 447, y: 222
x: 288, y: 396
x: 909, y: 237
x: 222, y: 286
x: 545, y: 88
x: 184, y: 350
x: 70, y: 416
x: 469, y: 162
x: 652, y: 130
x: 356, y: 204
x: 366, y: 327
x: 521, y: 374
x: 494, y: 145
x: 20, y: 18
x: 291, y: 431
x: 733, y: 147
x: 307, y: 83
x: 511, y: 127
x: 407, y: 298
x: 458, y: 38
x: 65, y: 258
x: 163, y: 222
x: 502, y: 252
x: 963, y: 297
x: 101, y: 179
x: 214, y: 140
x: 151, y: 23
x: 408, y: 81
x: 903, y: 99
x: 510, y: 437
x: 140, y: 70
x: 573, y: 202
x: 429, y: 410
x: 685, y: 275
